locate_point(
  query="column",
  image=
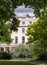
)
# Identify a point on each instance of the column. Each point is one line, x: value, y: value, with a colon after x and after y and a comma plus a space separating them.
x: 4, y: 49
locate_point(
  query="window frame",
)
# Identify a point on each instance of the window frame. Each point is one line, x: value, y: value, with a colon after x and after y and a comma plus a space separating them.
x: 23, y: 39
x: 16, y: 39
x: 23, y: 30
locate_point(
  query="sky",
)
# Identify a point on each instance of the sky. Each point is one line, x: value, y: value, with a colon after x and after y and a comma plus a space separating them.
x: 21, y: 11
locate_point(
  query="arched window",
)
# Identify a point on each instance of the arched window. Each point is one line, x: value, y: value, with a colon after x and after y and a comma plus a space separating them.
x: 16, y: 39
x: 23, y: 39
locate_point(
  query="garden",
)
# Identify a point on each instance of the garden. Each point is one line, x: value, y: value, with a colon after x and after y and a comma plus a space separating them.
x: 37, y: 32
x: 21, y: 55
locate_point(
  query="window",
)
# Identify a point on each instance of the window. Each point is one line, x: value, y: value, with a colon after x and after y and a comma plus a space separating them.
x: 30, y: 22
x: 16, y: 39
x: 23, y: 30
x: 23, y: 39
x: 23, y: 23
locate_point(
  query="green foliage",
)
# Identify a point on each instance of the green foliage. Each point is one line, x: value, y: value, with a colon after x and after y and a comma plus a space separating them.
x: 6, y: 10
x: 42, y: 56
x: 38, y: 30
x: 4, y: 33
x: 8, y: 21
x: 5, y: 55
x: 37, y: 5
x: 15, y: 24
x: 37, y: 33
x: 7, y: 13
x: 22, y: 51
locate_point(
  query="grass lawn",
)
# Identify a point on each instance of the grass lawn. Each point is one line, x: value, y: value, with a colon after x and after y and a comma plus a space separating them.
x: 20, y: 63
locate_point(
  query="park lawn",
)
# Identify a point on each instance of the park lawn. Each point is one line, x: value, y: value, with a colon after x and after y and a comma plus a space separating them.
x: 19, y: 63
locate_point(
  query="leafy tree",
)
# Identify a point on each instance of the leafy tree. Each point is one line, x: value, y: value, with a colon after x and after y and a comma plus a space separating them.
x: 4, y: 33
x: 39, y: 6
x: 8, y: 20
x: 7, y: 13
x: 37, y: 32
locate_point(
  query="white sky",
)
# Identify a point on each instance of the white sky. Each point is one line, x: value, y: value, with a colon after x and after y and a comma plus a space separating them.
x: 22, y: 11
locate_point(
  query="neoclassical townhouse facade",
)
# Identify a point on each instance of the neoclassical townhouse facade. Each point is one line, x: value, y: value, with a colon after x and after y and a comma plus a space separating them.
x: 19, y: 37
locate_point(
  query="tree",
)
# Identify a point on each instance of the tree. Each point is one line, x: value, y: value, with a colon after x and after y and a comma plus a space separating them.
x: 8, y: 21
x: 37, y: 32
x: 4, y: 33
x: 39, y: 6
x: 7, y: 13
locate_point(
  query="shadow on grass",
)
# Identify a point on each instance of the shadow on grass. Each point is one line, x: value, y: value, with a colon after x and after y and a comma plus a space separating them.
x: 16, y: 63
x: 23, y: 63
x: 37, y: 62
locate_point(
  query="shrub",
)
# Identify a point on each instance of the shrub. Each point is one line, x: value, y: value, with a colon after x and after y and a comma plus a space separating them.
x: 43, y: 56
x: 22, y: 55
x: 5, y: 55
x: 38, y: 51
x: 21, y: 51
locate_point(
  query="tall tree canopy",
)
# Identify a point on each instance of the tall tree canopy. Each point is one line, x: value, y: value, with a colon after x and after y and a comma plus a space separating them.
x: 39, y: 6
x: 7, y: 15
x: 37, y: 32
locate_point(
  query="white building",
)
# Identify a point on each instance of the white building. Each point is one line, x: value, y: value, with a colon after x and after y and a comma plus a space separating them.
x: 19, y: 37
